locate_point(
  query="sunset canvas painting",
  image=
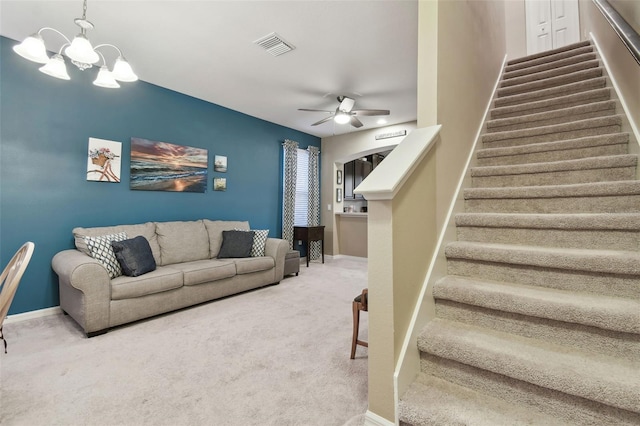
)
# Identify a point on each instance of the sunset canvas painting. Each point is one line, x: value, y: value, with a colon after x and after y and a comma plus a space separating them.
x: 163, y: 166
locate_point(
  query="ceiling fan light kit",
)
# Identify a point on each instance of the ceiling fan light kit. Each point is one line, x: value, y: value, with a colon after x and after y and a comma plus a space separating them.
x: 81, y: 53
x: 345, y: 113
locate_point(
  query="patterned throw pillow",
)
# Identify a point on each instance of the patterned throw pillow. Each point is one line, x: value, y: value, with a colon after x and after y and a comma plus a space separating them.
x: 259, y: 241
x: 101, y: 250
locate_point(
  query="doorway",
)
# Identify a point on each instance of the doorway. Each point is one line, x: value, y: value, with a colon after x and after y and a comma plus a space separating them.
x: 551, y: 24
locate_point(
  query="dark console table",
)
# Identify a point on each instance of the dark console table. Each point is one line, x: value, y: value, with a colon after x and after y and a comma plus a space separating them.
x: 306, y: 234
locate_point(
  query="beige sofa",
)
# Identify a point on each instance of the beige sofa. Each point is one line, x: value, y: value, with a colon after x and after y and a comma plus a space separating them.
x: 188, y: 272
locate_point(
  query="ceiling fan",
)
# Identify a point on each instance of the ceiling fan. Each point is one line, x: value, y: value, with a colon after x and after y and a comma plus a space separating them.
x: 345, y: 113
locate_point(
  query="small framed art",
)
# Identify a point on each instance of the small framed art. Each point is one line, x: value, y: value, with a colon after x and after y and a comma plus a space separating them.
x: 339, y: 177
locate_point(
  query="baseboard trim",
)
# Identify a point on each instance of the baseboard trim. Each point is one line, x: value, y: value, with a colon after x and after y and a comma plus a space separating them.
x: 372, y: 419
x: 32, y: 314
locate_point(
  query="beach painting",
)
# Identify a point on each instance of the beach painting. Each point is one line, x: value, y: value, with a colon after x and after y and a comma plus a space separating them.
x: 163, y: 166
x: 220, y: 164
x: 103, y: 160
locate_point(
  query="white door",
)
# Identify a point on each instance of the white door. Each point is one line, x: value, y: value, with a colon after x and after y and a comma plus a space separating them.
x: 551, y: 24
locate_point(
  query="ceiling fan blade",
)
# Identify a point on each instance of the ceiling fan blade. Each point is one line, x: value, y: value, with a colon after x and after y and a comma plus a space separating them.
x: 346, y: 104
x: 370, y: 112
x: 314, y: 110
x: 324, y: 120
x: 355, y: 122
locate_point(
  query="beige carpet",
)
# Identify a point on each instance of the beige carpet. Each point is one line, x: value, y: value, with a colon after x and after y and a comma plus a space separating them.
x: 273, y: 356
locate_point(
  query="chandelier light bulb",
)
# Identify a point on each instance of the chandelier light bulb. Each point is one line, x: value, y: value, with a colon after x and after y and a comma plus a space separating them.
x: 122, y: 71
x: 105, y: 79
x: 56, y: 67
x: 82, y: 51
x: 32, y: 48
x: 342, y: 118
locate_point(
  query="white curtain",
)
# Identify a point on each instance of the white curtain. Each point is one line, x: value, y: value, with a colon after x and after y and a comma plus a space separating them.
x: 313, y: 212
x: 289, y: 191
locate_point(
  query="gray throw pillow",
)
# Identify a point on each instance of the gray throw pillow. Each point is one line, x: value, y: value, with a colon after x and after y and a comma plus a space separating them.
x: 134, y: 255
x: 236, y: 244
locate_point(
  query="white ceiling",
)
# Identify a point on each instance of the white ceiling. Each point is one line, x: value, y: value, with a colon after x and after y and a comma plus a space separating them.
x: 363, y: 49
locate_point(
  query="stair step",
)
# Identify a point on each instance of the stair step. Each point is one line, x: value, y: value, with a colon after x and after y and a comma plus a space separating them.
x: 552, y: 55
x: 557, y: 116
x: 551, y: 93
x: 598, y: 197
x: 560, y: 102
x: 590, y: 56
x: 608, y: 272
x: 597, y: 378
x: 585, y: 147
x: 556, y: 71
x: 433, y: 401
x: 550, y: 82
x: 596, y: 169
x: 566, y: 409
x: 614, y: 231
x: 554, y: 132
x: 603, y: 312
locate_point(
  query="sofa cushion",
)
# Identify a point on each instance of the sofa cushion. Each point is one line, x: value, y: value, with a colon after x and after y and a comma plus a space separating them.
x: 162, y: 279
x: 101, y: 250
x: 254, y: 264
x: 204, y: 271
x: 182, y: 241
x: 134, y: 256
x: 147, y: 230
x: 215, y: 228
x: 236, y: 244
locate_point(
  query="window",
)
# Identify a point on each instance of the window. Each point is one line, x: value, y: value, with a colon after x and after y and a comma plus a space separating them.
x: 302, y: 189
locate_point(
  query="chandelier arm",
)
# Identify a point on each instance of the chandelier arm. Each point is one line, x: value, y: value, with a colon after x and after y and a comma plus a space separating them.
x: 108, y: 45
x: 55, y: 31
x: 104, y: 63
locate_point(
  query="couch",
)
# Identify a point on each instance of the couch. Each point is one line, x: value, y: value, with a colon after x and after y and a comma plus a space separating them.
x: 188, y: 271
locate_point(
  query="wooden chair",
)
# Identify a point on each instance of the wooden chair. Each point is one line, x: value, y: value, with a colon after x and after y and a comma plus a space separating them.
x: 360, y: 303
x: 10, y: 279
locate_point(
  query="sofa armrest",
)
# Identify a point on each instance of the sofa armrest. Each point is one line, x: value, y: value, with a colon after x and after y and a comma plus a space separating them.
x: 277, y: 249
x: 85, y: 289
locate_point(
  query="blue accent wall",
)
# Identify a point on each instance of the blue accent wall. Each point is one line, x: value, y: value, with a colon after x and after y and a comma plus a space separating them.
x: 45, y: 127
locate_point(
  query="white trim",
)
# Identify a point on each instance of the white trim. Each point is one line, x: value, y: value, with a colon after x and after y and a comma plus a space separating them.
x: 634, y: 129
x: 423, y: 290
x: 384, y: 182
x: 32, y: 314
x: 372, y: 419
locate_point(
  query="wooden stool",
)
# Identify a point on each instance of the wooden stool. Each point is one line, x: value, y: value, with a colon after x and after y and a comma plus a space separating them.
x: 360, y: 303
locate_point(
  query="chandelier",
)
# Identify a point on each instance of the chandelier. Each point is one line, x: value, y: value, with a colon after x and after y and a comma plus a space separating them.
x: 81, y: 53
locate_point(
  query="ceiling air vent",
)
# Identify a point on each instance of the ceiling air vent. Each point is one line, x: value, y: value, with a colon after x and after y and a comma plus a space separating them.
x: 274, y: 44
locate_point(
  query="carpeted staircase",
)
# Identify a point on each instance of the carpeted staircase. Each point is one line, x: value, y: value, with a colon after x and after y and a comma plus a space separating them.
x: 538, y: 321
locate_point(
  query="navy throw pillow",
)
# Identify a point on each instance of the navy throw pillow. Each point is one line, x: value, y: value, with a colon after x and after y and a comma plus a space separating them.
x: 236, y: 244
x: 134, y: 256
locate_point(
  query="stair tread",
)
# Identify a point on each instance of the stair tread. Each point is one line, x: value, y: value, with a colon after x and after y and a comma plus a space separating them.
x: 543, y: 94
x: 596, y: 377
x: 591, y: 260
x: 591, y: 163
x: 591, y: 189
x: 561, y: 112
x: 611, y: 120
x: 583, y: 142
x: 550, y: 82
x: 605, y: 312
x: 582, y: 57
x: 587, y: 94
x: 572, y: 221
x: 430, y: 400
x: 548, y: 73
x: 550, y: 53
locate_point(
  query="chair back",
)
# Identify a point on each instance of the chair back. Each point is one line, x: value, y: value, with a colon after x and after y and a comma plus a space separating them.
x: 11, y: 276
